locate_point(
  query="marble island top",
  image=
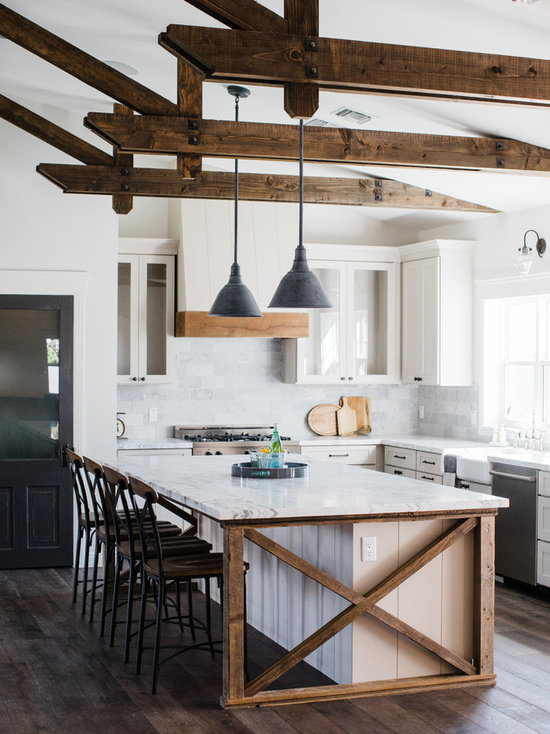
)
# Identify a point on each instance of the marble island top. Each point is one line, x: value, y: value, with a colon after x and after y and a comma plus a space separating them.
x: 205, y: 484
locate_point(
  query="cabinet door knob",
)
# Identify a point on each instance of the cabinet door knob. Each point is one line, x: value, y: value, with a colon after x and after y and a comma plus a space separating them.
x: 342, y: 378
x: 133, y: 379
x: 142, y: 379
x: 399, y: 473
x: 350, y: 378
x: 418, y: 379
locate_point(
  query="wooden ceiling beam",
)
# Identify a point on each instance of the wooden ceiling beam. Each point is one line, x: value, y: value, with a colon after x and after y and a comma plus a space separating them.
x: 229, y: 139
x: 81, y: 65
x: 122, y: 203
x: 243, y: 15
x: 337, y: 64
x: 190, y: 106
x: 302, y: 100
x: 74, y: 179
x: 52, y: 134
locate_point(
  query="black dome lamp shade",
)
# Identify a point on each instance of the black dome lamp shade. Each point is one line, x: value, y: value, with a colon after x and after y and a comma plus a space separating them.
x: 300, y: 287
x: 235, y: 299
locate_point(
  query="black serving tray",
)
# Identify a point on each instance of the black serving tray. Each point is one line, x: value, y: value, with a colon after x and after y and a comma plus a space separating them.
x: 291, y: 470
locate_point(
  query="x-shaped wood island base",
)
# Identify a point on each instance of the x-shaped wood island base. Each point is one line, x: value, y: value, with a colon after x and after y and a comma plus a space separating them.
x: 479, y: 671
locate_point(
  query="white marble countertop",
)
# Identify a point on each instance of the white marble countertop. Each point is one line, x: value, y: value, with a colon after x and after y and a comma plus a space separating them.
x: 205, y: 484
x: 127, y: 444
x: 422, y: 443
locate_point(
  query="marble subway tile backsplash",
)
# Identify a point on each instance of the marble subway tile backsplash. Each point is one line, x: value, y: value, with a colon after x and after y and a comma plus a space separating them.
x: 239, y: 381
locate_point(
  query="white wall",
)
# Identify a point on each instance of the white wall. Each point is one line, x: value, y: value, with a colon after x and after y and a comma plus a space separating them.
x: 45, y: 230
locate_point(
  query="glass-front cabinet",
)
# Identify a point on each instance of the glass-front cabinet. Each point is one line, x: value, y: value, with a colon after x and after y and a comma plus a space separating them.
x: 357, y: 340
x: 145, y: 318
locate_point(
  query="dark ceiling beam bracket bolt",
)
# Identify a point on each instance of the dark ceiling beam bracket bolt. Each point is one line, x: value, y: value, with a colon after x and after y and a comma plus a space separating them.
x: 427, y: 192
x: 312, y: 44
x: 124, y: 172
x: 501, y: 163
x: 312, y: 71
x: 125, y: 187
x: 499, y: 145
x: 378, y: 183
x: 193, y: 124
x: 194, y: 140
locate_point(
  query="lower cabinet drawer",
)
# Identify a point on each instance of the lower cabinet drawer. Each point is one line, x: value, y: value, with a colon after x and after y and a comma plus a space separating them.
x: 544, y: 483
x: 427, y: 477
x: 543, y: 563
x: 473, y: 486
x: 543, y: 518
x: 405, y: 458
x: 342, y: 454
x: 429, y: 462
x: 409, y: 473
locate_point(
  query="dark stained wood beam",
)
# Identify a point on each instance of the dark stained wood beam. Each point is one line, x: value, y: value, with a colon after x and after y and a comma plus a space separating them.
x: 336, y: 64
x: 243, y: 15
x: 122, y: 203
x: 52, y: 134
x: 190, y: 106
x: 302, y: 100
x: 81, y: 65
x: 252, y: 187
x: 228, y: 139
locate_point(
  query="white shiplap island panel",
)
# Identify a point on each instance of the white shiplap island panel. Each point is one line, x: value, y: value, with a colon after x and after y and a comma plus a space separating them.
x: 322, y: 519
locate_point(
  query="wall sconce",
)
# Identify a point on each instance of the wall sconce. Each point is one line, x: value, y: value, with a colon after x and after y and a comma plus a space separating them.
x: 523, y: 261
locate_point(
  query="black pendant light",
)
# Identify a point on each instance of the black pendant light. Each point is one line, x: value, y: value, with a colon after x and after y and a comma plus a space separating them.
x: 300, y: 287
x: 235, y: 299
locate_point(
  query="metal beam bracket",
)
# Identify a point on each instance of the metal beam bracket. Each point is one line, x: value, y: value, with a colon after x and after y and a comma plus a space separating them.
x: 499, y: 145
x: 501, y: 163
x: 193, y: 124
x: 427, y: 192
x: 311, y: 44
x: 312, y: 71
x: 194, y: 140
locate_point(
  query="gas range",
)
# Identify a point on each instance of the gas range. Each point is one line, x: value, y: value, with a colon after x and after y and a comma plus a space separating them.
x: 220, y: 440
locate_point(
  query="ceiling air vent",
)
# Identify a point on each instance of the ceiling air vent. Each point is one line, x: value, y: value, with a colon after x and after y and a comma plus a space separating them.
x: 318, y: 122
x: 359, y: 118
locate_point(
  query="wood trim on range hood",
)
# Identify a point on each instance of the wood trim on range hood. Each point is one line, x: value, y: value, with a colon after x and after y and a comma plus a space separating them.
x: 282, y: 324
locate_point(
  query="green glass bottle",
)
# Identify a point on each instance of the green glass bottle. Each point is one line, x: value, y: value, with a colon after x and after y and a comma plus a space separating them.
x: 275, y: 446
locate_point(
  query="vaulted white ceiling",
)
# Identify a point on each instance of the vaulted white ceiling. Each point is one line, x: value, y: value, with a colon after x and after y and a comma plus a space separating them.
x: 126, y: 31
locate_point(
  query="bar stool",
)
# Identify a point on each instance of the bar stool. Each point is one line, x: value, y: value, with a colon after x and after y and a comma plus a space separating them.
x: 163, y: 570
x: 106, y: 510
x: 86, y: 523
x: 128, y: 547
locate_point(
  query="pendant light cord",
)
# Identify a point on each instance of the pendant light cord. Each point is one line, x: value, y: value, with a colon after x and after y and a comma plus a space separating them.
x: 236, y: 191
x: 301, y: 179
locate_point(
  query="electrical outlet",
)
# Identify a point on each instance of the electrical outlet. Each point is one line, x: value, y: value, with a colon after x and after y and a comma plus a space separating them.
x: 473, y: 417
x: 421, y: 412
x: 153, y: 415
x: 368, y: 549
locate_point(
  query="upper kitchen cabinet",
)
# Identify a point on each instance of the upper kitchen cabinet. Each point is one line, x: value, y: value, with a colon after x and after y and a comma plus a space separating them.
x: 357, y: 340
x: 437, y: 281
x: 146, y: 306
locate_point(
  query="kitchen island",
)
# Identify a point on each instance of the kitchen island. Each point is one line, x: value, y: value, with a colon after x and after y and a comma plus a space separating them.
x: 418, y: 617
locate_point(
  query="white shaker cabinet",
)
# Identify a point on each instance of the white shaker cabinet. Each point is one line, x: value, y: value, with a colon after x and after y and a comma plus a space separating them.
x: 146, y: 310
x: 437, y: 283
x: 355, y: 341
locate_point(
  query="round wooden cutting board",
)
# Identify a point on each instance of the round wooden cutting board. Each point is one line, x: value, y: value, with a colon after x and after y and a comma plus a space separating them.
x: 322, y: 419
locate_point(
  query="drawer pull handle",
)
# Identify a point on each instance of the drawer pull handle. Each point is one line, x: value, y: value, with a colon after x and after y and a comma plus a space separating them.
x: 428, y: 462
x: 396, y: 471
x: 519, y: 477
x: 429, y: 479
x: 333, y: 455
x: 395, y: 456
x: 464, y: 485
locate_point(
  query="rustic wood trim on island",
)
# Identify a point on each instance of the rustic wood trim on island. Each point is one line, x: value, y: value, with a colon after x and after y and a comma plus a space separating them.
x: 238, y: 694
x: 277, y: 324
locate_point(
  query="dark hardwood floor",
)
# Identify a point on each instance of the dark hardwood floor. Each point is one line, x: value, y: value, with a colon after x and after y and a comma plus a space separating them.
x: 56, y: 675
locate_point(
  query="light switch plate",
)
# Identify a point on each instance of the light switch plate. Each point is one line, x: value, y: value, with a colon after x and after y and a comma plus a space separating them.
x: 153, y: 415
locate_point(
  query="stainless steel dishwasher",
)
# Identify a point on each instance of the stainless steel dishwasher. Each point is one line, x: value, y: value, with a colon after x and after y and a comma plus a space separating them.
x: 516, y: 526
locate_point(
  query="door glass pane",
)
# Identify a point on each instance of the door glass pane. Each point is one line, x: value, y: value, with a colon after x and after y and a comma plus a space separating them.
x: 519, y: 392
x: 29, y: 383
x: 322, y: 348
x: 370, y: 322
x: 124, y: 318
x: 156, y: 318
x: 522, y: 331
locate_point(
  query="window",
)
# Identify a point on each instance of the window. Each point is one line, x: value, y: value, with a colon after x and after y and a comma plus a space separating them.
x: 516, y: 365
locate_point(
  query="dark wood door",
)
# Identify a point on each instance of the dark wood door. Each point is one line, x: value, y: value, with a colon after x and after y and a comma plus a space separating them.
x: 36, y: 421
